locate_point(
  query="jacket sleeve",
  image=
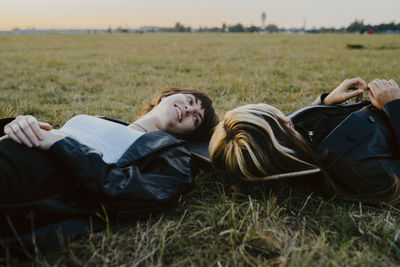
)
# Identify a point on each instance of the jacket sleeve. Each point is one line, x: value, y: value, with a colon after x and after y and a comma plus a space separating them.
x: 392, y: 111
x: 320, y: 99
x: 146, y: 185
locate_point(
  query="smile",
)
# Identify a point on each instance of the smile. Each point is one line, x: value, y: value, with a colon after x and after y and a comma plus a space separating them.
x: 179, y: 113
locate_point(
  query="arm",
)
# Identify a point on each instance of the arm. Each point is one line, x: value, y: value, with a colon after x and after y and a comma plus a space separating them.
x: 146, y: 183
x: 320, y: 99
x: 346, y: 90
x: 385, y: 95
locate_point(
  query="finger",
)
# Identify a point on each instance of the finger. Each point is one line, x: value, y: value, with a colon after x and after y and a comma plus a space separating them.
x: 354, y: 93
x: 34, y: 125
x: 373, y: 87
x: 371, y: 98
x: 11, y: 134
x: 45, y: 126
x: 374, y: 82
x: 358, y: 83
x: 393, y: 83
x: 28, y: 132
x: 20, y: 135
x: 382, y: 84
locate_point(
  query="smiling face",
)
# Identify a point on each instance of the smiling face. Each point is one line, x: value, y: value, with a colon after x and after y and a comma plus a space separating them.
x: 179, y: 114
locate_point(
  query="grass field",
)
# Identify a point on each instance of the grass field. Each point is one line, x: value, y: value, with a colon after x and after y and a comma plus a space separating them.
x: 57, y: 76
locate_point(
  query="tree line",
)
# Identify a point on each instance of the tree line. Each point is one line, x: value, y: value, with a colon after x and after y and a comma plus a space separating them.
x: 355, y: 27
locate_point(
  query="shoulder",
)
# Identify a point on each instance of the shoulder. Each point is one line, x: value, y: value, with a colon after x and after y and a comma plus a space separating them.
x: 363, y: 133
x: 313, y: 112
x: 156, y: 144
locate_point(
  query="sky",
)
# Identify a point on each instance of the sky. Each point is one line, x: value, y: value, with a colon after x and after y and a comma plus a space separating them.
x: 102, y: 14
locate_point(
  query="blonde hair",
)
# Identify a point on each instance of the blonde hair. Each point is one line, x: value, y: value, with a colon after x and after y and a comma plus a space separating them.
x: 252, y: 143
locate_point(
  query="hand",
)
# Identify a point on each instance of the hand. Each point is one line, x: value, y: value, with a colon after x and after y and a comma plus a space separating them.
x: 343, y: 93
x: 27, y: 130
x: 49, y: 138
x: 381, y: 92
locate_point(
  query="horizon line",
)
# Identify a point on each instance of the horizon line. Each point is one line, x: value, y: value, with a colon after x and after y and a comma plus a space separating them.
x: 193, y: 27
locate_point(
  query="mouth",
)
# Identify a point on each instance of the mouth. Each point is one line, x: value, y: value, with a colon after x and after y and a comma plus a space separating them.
x: 179, y: 113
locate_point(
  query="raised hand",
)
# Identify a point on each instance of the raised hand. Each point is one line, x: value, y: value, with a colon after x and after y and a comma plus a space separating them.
x: 381, y: 92
x: 346, y: 90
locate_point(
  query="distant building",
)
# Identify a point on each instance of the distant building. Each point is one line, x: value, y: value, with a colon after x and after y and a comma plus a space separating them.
x: 149, y: 29
x: 263, y: 19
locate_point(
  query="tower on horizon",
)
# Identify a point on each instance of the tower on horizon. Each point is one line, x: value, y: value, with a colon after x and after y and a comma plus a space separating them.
x: 263, y: 18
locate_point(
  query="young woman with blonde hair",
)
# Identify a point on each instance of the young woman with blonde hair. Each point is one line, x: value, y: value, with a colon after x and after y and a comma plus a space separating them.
x: 349, y: 150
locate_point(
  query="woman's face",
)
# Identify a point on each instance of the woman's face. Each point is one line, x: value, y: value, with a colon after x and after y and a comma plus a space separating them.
x: 179, y: 114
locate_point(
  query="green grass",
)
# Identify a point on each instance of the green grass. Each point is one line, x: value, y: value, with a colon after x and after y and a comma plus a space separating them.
x: 57, y: 76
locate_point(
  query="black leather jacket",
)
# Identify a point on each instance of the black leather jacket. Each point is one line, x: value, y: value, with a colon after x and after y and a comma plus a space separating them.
x: 153, y: 171
x: 148, y: 178
x: 366, y: 140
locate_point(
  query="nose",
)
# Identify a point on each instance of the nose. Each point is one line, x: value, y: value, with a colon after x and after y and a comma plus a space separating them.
x: 189, y: 110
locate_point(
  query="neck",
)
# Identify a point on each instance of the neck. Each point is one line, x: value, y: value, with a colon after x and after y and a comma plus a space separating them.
x: 147, y: 123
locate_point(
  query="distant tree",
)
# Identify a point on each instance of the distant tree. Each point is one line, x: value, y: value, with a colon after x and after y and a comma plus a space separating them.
x: 214, y: 29
x: 341, y: 30
x: 272, y: 28
x: 385, y: 27
x: 179, y: 27
x: 121, y: 30
x: 252, y: 29
x: 236, y: 28
x: 327, y: 30
x: 356, y: 26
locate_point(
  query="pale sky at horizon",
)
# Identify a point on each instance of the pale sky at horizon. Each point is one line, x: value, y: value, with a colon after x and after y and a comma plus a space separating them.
x: 101, y: 14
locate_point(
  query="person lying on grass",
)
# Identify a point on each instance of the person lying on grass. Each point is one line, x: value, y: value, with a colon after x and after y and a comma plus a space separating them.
x: 348, y: 150
x: 51, y: 179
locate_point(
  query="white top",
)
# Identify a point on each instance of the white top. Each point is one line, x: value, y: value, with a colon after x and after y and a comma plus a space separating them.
x: 110, y: 138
